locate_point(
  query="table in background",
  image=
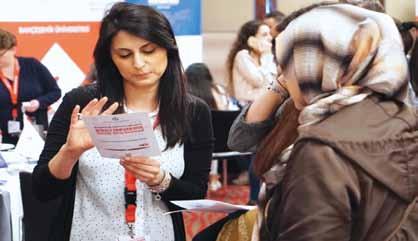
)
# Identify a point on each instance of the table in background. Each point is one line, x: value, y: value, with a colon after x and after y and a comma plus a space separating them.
x: 10, y: 174
x: 5, y: 216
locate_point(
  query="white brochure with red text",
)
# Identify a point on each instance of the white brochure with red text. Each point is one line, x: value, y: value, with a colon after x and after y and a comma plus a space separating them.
x: 118, y: 135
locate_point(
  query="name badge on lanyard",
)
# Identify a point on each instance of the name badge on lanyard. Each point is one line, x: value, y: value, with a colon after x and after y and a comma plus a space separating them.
x: 13, y: 88
x: 13, y: 127
x: 130, y: 203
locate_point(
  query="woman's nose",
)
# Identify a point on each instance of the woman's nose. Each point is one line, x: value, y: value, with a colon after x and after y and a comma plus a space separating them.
x: 139, y: 62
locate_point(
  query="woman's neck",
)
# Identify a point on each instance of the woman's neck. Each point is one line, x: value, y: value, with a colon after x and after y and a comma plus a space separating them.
x: 141, y: 99
x: 8, y: 70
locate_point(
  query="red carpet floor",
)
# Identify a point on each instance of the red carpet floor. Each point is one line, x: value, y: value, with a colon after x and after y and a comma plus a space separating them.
x: 196, y: 221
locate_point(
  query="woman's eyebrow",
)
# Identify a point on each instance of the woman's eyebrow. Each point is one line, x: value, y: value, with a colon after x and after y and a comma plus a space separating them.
x: 129, y: 49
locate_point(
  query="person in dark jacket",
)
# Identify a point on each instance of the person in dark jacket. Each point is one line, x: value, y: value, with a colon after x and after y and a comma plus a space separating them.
x: 24, y: 81
x: 351, y: 174
x: 139, y: 70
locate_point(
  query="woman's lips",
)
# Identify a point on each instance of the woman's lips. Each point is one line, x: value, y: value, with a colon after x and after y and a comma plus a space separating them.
x: 142, y: 75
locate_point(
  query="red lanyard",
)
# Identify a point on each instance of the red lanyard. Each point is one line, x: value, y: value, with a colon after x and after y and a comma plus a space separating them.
x: 13, y: 90
x: 130, y: 191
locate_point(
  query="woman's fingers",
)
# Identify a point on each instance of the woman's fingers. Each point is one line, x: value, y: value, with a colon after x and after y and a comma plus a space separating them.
x: 74, y: 114
x: 111, y: 109
x: 97, y: 109
x: 95, y: 106
x: 87, y: 109
x: 142, y: 161
x: 140, y: 173
x: 282, y: 81
x: 154, y: 169
x: 145, y: 169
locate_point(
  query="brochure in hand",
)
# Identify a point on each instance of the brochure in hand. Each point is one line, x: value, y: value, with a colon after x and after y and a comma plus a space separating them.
x: 118, y: 135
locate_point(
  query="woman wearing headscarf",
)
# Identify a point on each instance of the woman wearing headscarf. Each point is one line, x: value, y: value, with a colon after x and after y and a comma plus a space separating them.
x: 351, y: 174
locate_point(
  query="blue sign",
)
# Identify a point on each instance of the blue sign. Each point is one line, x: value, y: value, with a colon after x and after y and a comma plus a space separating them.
x: 184, y: 15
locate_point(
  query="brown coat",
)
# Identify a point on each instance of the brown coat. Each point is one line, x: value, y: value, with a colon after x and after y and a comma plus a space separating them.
x: 351, y: 177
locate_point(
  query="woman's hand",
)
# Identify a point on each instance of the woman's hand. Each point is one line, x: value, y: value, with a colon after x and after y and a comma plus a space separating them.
x: 78, y: 139
x: 145, y: 169
x: 264, y: 46
x: 281, y: 81
x: 260, y: 45
x: 31, y: 106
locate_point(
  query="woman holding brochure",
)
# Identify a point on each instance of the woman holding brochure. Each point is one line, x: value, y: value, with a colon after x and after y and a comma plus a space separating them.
x: 139, y: 70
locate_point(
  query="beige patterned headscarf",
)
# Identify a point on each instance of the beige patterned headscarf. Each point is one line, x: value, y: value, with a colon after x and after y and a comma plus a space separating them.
x: 338, y: 55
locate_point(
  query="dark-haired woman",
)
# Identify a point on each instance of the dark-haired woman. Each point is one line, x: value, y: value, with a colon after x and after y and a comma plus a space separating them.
x: 139, y: 70
x: 200, y: 83
x: 250, y: 62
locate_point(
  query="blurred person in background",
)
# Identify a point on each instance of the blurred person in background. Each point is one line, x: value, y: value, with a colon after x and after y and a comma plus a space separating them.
x: 25, y: 82
x: 201, y: 84
x: 250, y: 64
x: 251, y: 67
x: 272, y: 19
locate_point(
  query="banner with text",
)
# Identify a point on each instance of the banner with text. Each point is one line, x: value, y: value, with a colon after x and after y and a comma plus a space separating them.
x: 62, y: 34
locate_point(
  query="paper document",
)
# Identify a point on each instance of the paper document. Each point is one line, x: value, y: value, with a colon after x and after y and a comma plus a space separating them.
x: 3, y: 163
x: 12, y: 157
x: 118, y: 135
x: 30, y: 143
x: 207, y: 205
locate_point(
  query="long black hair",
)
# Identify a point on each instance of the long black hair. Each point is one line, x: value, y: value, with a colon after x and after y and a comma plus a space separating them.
x: 200, y: 83
x: 149, y: 24
x: 248, y: 29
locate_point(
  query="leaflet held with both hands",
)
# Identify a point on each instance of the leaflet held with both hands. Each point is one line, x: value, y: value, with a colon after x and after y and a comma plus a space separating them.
x: 118, y: 135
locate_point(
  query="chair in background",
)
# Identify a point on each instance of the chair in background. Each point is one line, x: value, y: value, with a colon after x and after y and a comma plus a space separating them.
x: 222, y: 122
x: 37, y: 215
